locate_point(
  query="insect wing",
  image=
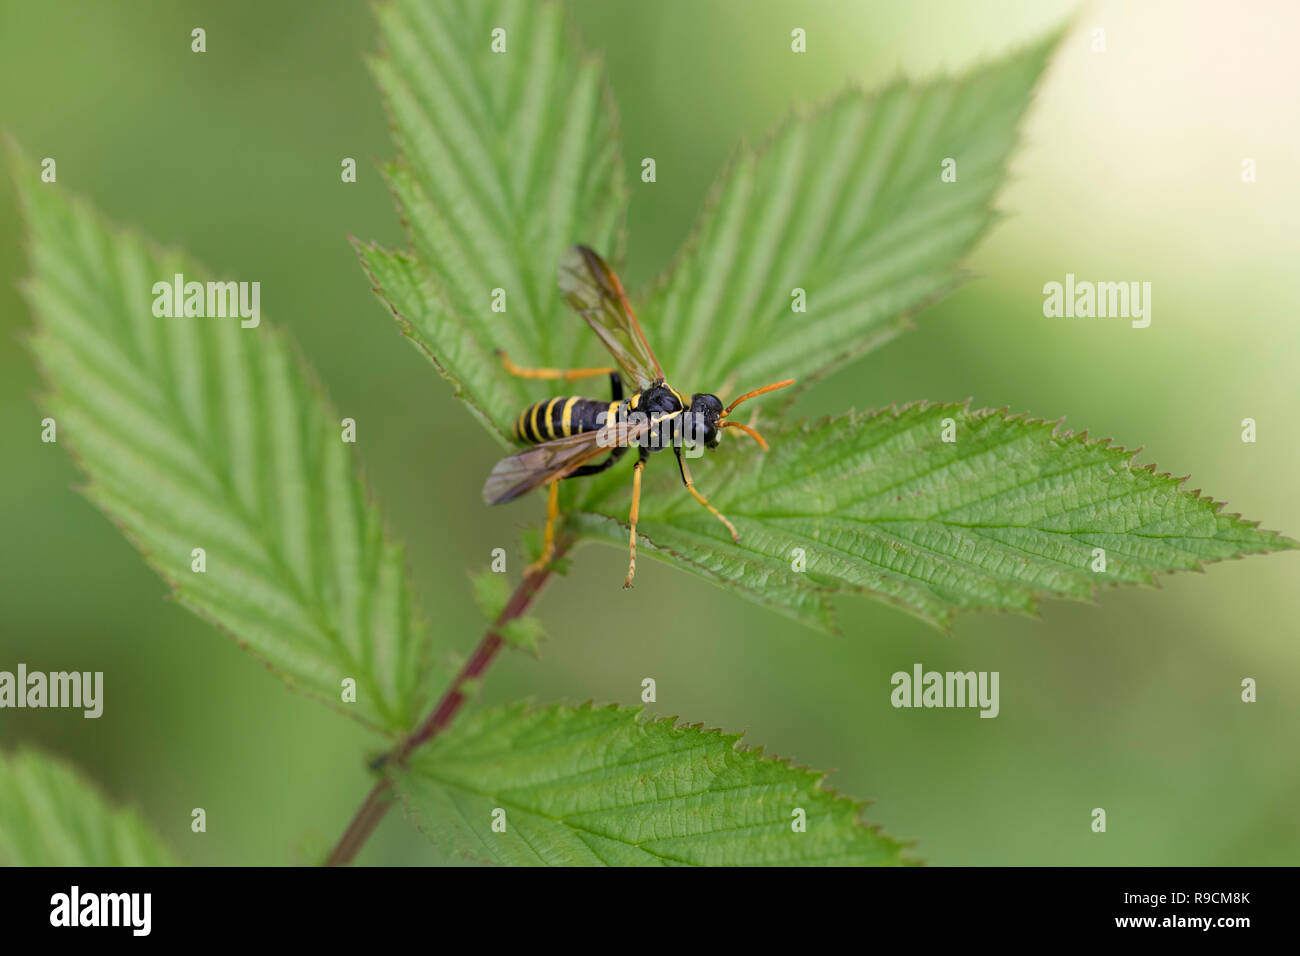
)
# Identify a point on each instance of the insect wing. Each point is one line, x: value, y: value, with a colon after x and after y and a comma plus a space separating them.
x: 552, y: 460
x: 592, y: 288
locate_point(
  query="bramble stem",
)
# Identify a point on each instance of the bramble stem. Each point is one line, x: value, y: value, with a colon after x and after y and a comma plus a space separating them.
x: 380, y: 798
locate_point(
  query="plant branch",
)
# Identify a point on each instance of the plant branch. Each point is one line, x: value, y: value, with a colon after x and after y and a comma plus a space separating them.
x: 380, y: 798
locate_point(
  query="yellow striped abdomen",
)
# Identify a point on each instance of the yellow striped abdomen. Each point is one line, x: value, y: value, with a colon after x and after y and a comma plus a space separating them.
x: 558, y: 417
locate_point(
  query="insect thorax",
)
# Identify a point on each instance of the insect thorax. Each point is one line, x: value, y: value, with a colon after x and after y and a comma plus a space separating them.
x: 658, y: 398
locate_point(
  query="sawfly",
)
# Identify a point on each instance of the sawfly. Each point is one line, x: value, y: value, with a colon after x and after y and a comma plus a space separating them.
x: 568, y: 433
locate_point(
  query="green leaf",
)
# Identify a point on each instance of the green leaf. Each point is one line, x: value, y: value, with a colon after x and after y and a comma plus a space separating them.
x: 880, y: 504
x: 524, y: 632
x: 491, y: 593
x: 52, y: 816
x: 601, y: 786
x: 505, y: 159
x: 198, y: 433
x: 846, y: 203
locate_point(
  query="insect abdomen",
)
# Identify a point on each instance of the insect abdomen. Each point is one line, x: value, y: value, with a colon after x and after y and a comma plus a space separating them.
x: 557, y: 417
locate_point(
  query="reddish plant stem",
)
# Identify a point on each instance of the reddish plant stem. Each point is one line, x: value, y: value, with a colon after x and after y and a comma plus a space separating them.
x: 363, y: 824
x: 380, y: 798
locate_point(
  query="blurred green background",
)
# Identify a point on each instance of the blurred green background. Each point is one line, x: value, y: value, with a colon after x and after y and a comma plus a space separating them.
x: 1130, y: 170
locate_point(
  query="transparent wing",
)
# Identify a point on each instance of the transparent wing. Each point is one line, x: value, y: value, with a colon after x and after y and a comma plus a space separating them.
x: 553, y: 460
x: 590, y: 286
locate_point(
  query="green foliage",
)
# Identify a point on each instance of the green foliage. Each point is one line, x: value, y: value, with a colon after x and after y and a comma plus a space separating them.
x: 846, y: 203
x: 197, y: 433
x: 506, y: 158
x: 1008, y: 511
x: 51, y: 816
x: 601, y: 786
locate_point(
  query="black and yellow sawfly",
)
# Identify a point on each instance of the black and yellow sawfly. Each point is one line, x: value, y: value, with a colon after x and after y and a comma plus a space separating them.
x: 568, y: 432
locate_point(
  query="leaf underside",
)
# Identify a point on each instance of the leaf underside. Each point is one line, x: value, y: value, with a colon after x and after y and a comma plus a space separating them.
x: 1010, y: 511
x: 51, y: 816
x: 602, y: 786
x: 197, y: 433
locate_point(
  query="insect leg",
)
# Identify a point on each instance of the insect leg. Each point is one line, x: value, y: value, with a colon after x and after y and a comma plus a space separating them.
x: 548, y: 540
x: 569, y: 375
x: 636, y: 510
x: 615, y: 454
x: 690, y: 486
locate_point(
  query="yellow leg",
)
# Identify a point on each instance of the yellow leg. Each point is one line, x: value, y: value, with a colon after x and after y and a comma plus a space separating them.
x: 548, y: 541
x: 636, y: 510
x: 690, y: 486
x: 569, y: 375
